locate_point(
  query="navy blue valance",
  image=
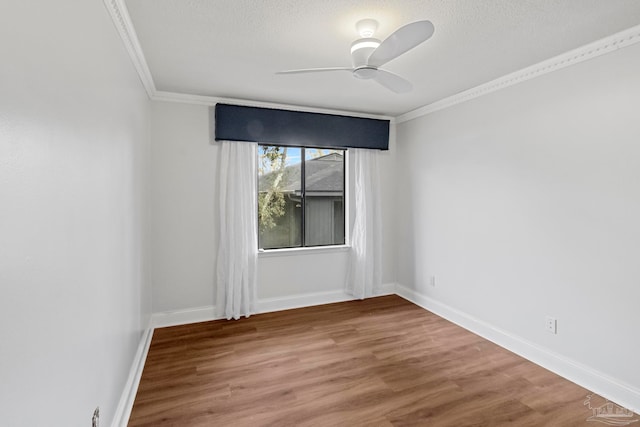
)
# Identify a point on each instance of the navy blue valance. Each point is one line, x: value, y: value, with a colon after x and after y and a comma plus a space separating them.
x: 298, y: 128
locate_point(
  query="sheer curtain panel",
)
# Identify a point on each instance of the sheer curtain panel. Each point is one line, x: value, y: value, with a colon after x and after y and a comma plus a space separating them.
x: 364, y: 277
x: 238, y: 250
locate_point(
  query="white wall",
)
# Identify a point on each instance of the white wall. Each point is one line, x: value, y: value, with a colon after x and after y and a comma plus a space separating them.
x: 184, y: 234
x: 73, y: 148
x: 526, y: 203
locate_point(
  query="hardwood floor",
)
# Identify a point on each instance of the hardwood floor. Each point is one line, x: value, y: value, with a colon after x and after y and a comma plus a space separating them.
x: 378, y: 362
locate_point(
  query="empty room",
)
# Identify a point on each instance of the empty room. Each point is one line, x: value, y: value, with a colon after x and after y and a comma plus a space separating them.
x: 319, y: 213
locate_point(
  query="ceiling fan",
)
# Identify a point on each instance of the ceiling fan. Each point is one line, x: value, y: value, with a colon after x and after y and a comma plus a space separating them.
x: 368, y: 53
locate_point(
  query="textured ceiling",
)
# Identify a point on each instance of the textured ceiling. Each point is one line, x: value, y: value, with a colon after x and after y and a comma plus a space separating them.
x: 232, y: 48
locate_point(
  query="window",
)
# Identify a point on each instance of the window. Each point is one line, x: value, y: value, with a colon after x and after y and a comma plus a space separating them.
x: 300, y: 197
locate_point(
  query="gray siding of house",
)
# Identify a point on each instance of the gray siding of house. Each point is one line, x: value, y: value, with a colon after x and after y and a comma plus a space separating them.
x: 324, y: 222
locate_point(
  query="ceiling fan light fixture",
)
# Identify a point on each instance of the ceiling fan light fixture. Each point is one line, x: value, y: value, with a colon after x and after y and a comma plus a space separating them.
x: 364, y: 43
x: 369, y: 54
x: 366, y: 27
x: 361, y: 49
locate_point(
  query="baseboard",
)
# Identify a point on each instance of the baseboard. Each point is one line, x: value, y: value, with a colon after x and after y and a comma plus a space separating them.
x: 123, y: 411
x: 317, y: 298
x: 591, y: 379
x: 265, y: 305
x: 387, y: 289
x: 184, y: 317
x: 268, y: 305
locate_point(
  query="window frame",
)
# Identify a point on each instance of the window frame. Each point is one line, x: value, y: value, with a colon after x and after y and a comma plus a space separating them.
x: 302, y: 248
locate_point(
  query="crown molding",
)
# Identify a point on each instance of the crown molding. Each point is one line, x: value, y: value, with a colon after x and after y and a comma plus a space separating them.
x: 122, y: 21
x: 212, y: 100
x: 592, y: 50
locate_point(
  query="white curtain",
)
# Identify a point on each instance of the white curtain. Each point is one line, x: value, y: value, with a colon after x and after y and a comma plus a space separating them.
x: 238, y: 250
x: 364, y: 276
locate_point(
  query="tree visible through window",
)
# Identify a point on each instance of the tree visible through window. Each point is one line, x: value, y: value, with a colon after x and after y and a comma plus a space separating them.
x: 300, y: 197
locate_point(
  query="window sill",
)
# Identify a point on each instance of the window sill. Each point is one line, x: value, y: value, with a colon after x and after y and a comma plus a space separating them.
x: 267, y: 253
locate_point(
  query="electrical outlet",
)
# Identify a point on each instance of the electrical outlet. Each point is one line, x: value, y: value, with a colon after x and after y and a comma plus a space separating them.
x: 95, y: 420
x: 432, y: 281
x: 551, y: 325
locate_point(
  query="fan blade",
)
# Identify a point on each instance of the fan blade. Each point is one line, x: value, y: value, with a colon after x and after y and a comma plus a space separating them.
x: 403, y: 39
x: 314, y: 70
x: 393, y: 82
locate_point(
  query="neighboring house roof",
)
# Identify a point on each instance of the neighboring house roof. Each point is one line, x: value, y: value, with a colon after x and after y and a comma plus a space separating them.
x: 323, y: 175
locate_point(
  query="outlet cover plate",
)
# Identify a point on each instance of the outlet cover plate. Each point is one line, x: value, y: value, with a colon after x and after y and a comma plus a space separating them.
x: 551, y: 325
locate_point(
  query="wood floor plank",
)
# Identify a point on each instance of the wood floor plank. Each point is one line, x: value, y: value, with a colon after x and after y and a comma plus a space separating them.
x: 378, y: 362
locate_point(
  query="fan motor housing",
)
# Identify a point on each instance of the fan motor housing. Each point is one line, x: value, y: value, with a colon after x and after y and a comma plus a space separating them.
x: 361, y: 49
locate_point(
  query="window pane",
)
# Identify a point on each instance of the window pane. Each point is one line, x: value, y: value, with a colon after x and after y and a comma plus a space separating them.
x: 324, y: 197
x: 279, y: 197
